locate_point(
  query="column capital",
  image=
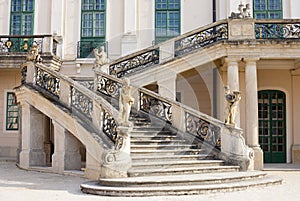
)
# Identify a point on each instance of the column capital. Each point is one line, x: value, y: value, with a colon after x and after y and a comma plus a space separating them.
x: 232, y: 59
x: 251, y: 59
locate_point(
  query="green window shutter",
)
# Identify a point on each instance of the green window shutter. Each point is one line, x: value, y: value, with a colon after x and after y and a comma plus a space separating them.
x: 12, y: 112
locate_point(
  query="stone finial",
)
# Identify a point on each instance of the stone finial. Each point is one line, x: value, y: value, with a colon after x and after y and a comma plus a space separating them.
x: 101, y: 57
x: 125, y: 103
x: 232, y: 99
x: 244, y: 12
x: 33, y: 54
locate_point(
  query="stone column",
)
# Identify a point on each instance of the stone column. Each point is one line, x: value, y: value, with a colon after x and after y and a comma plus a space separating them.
x: 167, y: 87
x: 233, y: 80
x: 58, y: 158
x: 252, y: 111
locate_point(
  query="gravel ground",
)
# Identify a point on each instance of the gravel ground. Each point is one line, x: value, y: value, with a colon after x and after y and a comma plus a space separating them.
x: 21, y: 185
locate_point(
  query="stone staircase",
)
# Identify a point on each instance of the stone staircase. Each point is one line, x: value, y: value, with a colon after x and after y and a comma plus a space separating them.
x: 163, y: 163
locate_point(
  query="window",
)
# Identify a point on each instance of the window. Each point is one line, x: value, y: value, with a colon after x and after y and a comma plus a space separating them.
x: 267, y: 9
x: 92, y: 26
x: 21, y: 18
x: 167, y: 19
x: 12, y: 112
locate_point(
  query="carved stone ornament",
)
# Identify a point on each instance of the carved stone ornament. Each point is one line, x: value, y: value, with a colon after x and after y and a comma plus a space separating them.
x: 244, y: 12
x: 33, y: 54
x: 232, y: 99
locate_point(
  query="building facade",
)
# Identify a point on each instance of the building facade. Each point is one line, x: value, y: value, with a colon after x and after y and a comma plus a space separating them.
x: 74, y: 28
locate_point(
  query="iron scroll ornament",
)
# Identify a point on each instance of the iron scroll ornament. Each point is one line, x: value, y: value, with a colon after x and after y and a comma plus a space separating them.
x: 277, y: 31
x: 108, y: 86
x: 48, y: 82
x: 81, y: 103
x: 156, y: 107
x: 203, y: 129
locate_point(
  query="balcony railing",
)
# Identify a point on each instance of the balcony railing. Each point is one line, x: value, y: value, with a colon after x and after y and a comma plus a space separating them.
x: 19, y: 44
x: 85, y: 48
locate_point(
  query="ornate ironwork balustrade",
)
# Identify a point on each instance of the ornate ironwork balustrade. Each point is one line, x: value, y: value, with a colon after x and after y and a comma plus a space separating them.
x: 108, y: 86
x: 277, y: 30
x: 81, y: 103
x: 21, y: 43
x: 201, y: 39
x: 110, y: 126
x: 154, y: 106
x: 203, y: 129
x: 47, y: 81
x: 132, y: 64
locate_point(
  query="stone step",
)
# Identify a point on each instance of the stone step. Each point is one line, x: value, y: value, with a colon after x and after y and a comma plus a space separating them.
x: 151, y: 132
x: 166, y: 152
x: 156, y: 142
x: 232, y: 184
x: 176, y: 146
x: 173, y: 180
x: 162, y: 157
x: 148, y: 127
x: 176, y: 163
x: 180, y: 170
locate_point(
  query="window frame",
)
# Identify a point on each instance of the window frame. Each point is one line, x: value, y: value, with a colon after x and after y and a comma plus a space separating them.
x: 268, y: 12
x: 22, y: 13
x: 7, y: 110
x: 168, y: 11
x: 88, y: 43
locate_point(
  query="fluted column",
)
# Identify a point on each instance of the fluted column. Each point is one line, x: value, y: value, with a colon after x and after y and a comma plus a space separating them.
x: 252, y: 111
x: 233, y: 81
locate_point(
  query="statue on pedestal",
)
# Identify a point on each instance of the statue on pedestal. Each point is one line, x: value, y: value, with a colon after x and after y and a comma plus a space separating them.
x: 232, y: 99
x: 101, y: 58
x: 125, y: 103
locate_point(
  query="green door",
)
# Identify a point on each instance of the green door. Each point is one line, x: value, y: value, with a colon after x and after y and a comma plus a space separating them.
x: 272, y: 125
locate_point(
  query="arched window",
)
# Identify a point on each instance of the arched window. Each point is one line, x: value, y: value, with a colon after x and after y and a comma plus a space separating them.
x: 267, y: 9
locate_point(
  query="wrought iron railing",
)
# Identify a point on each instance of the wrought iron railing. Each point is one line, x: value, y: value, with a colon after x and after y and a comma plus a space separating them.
x: 201, y: 38
x: 132, y: 63
x: 277, y: 30
x: 81, y: 103
x: 12, y: 43
x: 48, y: 82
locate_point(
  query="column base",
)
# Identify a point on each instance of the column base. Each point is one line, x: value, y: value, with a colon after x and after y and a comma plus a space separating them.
x: 258, y: 160
x: 24, y: 159
x: 296, y: 153
x: 58, y: 162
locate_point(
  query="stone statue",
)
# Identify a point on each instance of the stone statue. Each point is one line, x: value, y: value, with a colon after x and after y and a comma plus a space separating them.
x: 232, y: 99
x: 33, y: 54
x: 125, y: 103
x: 101, y: 57
x: 244, y: 12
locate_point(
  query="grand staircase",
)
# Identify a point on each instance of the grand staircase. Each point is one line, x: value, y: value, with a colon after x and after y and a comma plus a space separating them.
x: 163, y: 163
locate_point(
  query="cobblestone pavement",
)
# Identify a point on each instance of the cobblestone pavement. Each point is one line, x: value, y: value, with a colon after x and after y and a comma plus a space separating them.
x: 21, y: 185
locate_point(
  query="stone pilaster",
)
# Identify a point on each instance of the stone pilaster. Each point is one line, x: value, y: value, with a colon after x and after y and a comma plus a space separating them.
x: 25, y: 135
x: 72, y: 152
x: 233, y: 81
x: 252, y: 112
x: 58, y: 158
x: 167, y: 87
